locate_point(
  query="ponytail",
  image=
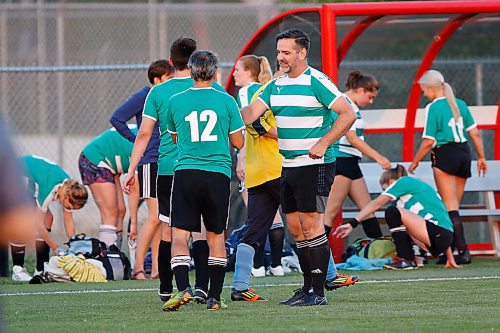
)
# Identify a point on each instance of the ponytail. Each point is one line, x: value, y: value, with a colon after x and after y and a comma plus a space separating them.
x: 450, y: 97
x: 265, y: 74
x: 356, y: 79
x: 394, y: 174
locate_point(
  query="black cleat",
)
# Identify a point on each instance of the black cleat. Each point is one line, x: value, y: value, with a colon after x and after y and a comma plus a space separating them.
x: 200, y: 296
x: 297, y: 296
x: 310, y: 300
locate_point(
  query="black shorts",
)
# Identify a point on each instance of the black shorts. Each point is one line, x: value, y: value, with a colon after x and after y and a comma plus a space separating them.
x: 452, y: 158
x: 164, y: 191
x: 147, y: 180
x: 199, y: 193
x: 440, y: 238
x: 348, y: 167
x: 300, y: 186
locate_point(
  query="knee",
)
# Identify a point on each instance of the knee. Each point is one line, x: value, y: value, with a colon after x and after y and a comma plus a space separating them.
x: 393, y: 217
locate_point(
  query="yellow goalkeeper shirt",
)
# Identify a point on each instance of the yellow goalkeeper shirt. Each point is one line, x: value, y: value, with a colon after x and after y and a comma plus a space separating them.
x: 263, y: 160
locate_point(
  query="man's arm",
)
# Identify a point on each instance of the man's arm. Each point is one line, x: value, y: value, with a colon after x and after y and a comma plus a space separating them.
x: 346, y: 118
x: 141, y: 142
x: 252, y: 112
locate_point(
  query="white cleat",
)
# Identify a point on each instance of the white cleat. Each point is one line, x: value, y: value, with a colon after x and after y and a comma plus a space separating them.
x: 276, y: 271
x: 19, y: 273
x: 259, y: 272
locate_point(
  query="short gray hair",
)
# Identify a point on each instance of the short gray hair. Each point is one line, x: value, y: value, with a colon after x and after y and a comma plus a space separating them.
x: 203, y: 65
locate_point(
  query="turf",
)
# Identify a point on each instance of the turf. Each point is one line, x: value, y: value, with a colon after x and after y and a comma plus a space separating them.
x: 432, y: 299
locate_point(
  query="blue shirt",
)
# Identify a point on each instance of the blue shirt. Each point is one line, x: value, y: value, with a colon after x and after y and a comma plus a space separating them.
x: 133, y: 107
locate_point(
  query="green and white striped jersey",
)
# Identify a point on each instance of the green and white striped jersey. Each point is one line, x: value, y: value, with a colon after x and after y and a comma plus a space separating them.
x: 301, y: 107
x: 421, y: 199
x: 155, y: 108
x: 343, y: 148
x: 246, y: 93
x: 203, y: 119
x: 110, y: 150
x: 44, y: 178
x: 441, y: 126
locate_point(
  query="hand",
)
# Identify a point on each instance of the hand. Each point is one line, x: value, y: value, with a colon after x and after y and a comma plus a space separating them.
x: 317, y: 151
x: 451, y: 264
x: 343, y: 231
x: 412, y: 167
x: 240, y: 169
x: 384, y: 163
x: 481, y: 167
x: 133, y: 232
x: 128, y: 182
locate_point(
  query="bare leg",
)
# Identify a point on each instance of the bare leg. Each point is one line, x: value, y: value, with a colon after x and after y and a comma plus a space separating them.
x: 340, y: 188
x: 148, y: 231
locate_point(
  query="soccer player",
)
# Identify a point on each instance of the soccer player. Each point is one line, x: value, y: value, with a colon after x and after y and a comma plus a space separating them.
x: 47, y: 182
x: 202, y: 121
x: 155, y: 110
x: 261, y: 170
x: 302, y: 102
x: 101, y: 163
x: 419, y: 215
x: 158, y: 72
x: 448, y: 126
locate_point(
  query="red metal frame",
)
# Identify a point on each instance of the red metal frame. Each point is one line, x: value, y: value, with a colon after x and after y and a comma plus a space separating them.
x: 431, y: 54
x: 353, y: 35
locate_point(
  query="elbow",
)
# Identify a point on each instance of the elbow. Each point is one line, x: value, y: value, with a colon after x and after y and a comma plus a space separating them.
x: 239, y: 144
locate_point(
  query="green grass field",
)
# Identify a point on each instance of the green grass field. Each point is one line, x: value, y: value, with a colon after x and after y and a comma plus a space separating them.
x: 432, y: 299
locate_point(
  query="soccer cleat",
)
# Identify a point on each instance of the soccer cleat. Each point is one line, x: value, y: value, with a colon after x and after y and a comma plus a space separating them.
x: 164, y: 296
x: 200, y: 296
x: 19, y: 273
x: 463, y: 258
x: 248, y: 295
x: 213, y: 304
x: 311, y: 299
x: 401, y: 264
x: 259, y: 272
x: 341, y: 280
x: 298, y: 295
x: 276, y: 271
x: 178, y: 299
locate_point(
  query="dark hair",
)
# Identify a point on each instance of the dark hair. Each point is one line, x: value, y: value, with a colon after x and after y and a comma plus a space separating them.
x: 158, y: 69
x: 394, y: 173
x: 203, y: 65
x: 180, y: 51
x: 300, y: 38
x: 258, y: 66
x: 358, y: 80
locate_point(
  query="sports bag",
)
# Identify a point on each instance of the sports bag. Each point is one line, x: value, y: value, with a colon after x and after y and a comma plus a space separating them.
x: 115, y: 263
x: 369, y: 248
x: 83, y: 244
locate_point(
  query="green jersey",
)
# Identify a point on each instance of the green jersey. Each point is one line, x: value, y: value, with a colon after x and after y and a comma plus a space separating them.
x: 44, y: 179
x: 343, y: 148
x: 421, y: 199
x: 302, y: 108
x: 203, y: 119
x: 442, y: 127
x: 246, y: 93
x: 110, y: 150
x: 155, y: 108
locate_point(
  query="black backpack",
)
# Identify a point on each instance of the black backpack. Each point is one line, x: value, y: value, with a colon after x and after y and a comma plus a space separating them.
x: 115, y: 263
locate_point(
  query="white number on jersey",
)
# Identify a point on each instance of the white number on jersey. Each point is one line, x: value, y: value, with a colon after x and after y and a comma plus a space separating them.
x: 208, y: 116
x: 458, y: 129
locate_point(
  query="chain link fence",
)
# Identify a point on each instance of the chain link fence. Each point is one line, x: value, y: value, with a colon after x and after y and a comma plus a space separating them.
x: 60, y: 82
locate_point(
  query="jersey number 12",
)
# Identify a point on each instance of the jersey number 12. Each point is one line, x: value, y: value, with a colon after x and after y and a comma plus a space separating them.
x: 208, y: 116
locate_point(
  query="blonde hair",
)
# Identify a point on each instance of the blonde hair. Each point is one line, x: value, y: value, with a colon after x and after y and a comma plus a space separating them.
x: 433, y: 78
x: 259, y: 67
x: 394, y: 173
x: 76, y: 192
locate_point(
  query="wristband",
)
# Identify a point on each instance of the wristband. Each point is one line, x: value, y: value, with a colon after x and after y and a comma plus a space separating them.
x: 353, y: 222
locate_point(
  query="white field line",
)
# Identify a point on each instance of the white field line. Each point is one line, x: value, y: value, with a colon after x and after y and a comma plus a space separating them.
x: 97, y: 291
